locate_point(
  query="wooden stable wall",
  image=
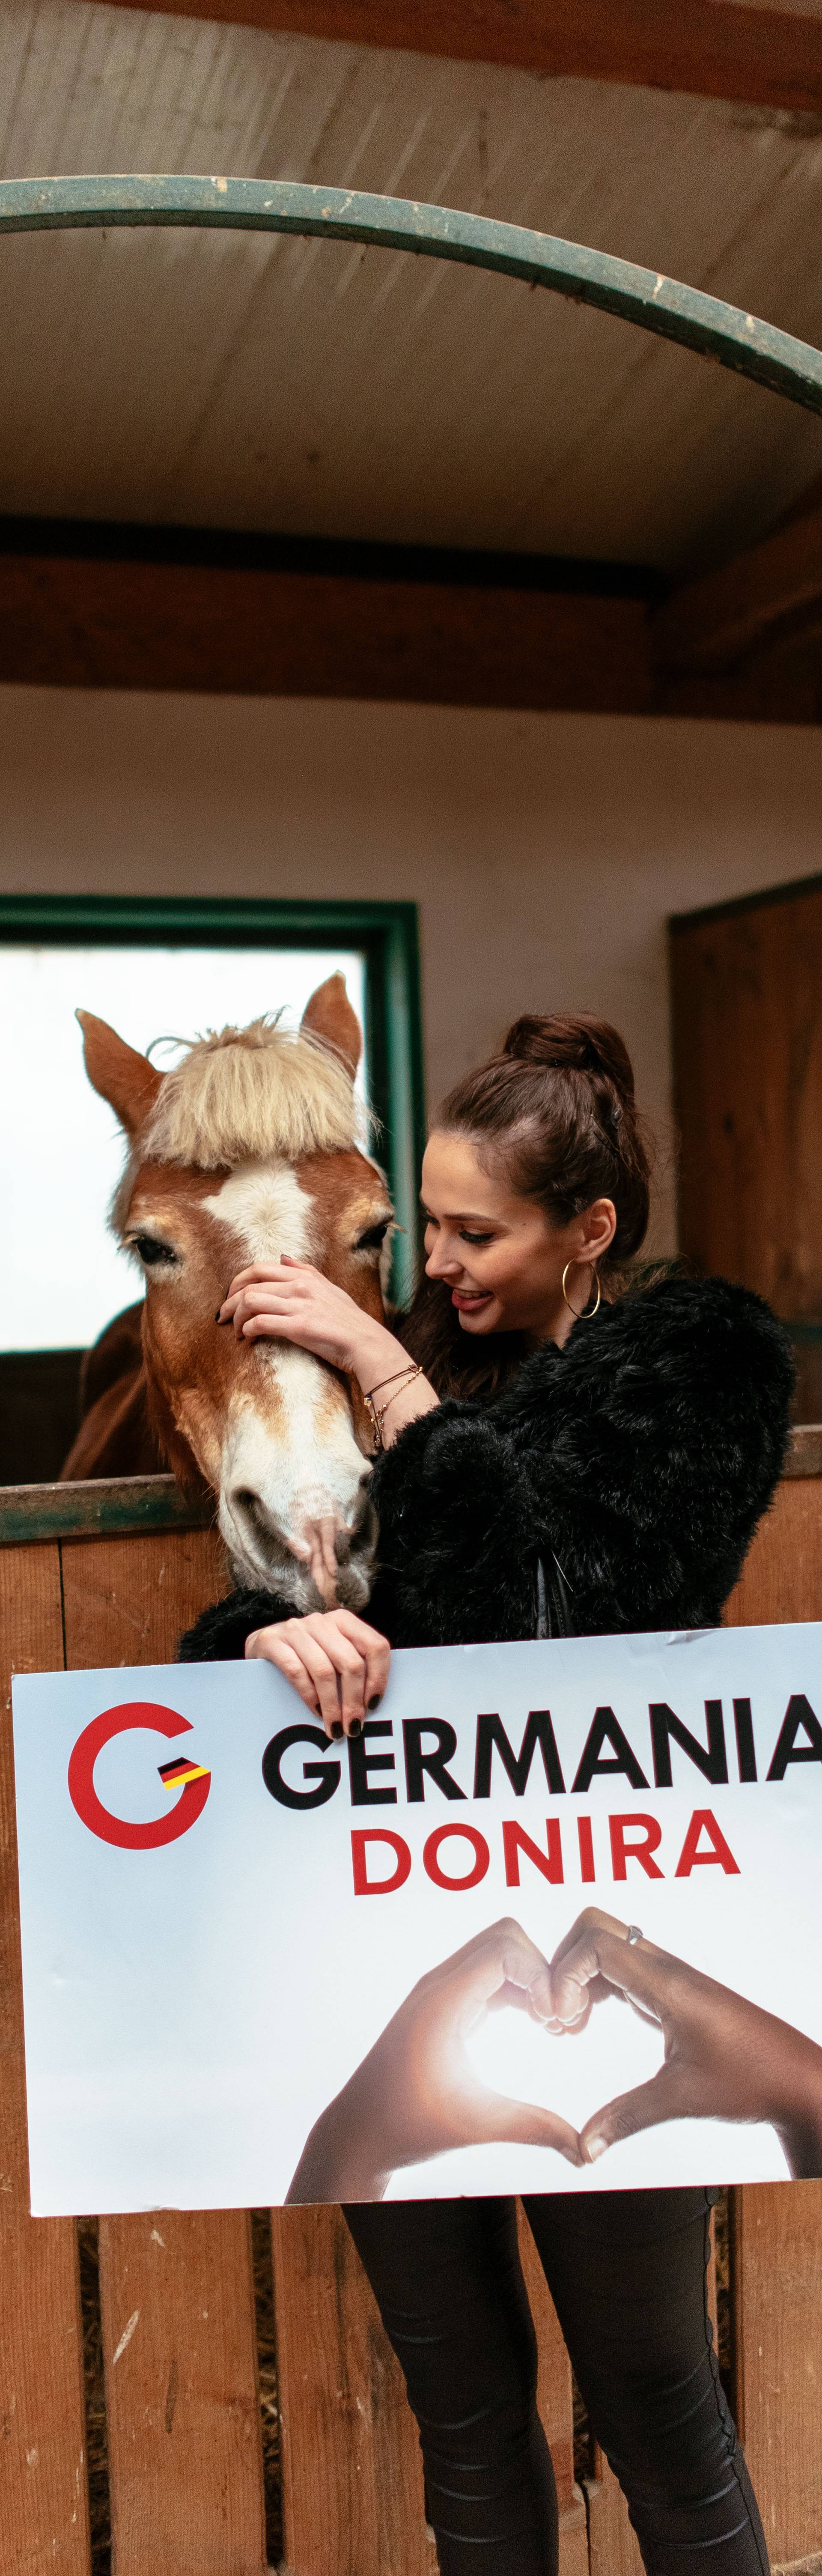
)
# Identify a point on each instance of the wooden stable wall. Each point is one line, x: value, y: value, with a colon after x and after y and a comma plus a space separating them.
x: 184, y: 2444
x: 746, y: 1004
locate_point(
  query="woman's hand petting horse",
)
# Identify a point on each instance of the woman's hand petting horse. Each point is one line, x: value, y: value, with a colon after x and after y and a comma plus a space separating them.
x: 289, y: 1301
x: 335, y: 1661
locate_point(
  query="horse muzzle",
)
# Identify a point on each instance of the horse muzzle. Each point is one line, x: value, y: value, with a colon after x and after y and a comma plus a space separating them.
x: 317, y: 1559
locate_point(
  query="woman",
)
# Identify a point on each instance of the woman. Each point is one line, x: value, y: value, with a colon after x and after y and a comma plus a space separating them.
x: 554, y: 1457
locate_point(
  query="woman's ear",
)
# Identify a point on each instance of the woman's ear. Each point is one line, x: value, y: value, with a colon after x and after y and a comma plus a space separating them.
x: 600, y: 1224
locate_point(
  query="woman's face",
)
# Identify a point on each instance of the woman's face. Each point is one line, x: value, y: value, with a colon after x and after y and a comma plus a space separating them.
x: 498, y: 1253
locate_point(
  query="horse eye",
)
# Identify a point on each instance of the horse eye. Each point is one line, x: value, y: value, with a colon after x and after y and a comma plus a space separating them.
x: 374, y: 1239
x: 150, y: 1251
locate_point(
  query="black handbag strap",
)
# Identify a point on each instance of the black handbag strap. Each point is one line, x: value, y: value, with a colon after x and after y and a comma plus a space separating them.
x: 553, y: 1607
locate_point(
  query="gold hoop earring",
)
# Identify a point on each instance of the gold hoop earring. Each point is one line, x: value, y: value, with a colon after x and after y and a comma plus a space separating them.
x: 584, y: 1314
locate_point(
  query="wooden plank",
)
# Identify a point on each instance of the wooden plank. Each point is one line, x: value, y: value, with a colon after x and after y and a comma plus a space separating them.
x: 747, y: 1046
x: 190, y: 2499
x: 805, y: 1450
x: 555, y: 2404
x: 43, y: 2496
x: 777, y: 2227
x: 128, y: 1600
x: 580, y: 647
x: 782, y: 1575
x: 614, y: 2548
x: 100, y: 1506
x: 766, y: 57
x: 352, y: 2475
x: 185, y: 2453
x: 75, y: 622
x: 709, y: 624
x: 778, y: 2263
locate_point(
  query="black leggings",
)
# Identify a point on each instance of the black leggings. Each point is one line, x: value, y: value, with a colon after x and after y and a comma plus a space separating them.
x: 626, y: 2271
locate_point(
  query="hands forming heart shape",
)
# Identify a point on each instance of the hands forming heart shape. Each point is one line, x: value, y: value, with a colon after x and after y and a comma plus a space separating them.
x: 416, y: 2094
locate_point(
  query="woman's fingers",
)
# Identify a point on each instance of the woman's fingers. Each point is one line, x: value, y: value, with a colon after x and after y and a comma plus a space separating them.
x: 669, y: 2096
x: 338, y: 1674
x: 305, y: 1665
x: 264, y: 1292
x: 499, y: 1957
x: 269, y: 1646
x: 360, y: 1658
x: 265, y: 1310
x: 643, y: 1974
x: 373, y: 1647
x: 527, y: 2124
x: 336, y: 1661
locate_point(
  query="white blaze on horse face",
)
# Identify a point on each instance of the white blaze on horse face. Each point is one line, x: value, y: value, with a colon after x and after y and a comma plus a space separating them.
x: 264, y: 1204
x: 290, y: 1461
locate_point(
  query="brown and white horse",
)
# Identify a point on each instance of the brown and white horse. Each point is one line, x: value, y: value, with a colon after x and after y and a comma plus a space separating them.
x: 246, y: 1150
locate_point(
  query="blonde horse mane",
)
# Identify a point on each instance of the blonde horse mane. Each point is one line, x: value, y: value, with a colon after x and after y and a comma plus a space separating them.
x: 241, y: 1095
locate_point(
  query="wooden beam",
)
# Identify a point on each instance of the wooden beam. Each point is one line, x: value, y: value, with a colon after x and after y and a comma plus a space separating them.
x: 715, y: 48
x: 768, y: 592
x: 156, y: 625
x: 292, y: 618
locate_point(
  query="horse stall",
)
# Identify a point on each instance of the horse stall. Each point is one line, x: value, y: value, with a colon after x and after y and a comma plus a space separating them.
x: 211, y: 2394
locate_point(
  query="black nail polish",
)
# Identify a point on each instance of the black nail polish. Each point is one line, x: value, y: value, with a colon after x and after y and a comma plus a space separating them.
x: 337, y: 1727
x: 375, y: 1698
x: 355, y: 1726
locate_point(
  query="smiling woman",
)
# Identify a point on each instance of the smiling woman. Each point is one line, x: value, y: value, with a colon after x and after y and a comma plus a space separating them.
x: 603, y: 1473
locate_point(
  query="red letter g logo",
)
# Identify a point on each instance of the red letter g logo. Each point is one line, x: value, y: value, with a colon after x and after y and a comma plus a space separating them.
x: 83, y: 1795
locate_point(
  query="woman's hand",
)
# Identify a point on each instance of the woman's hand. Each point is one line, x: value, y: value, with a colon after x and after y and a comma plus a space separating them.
x: 337, y: 1663
x: 416, y: 2094
x: 290, y: 1301
x: 725, y: 2059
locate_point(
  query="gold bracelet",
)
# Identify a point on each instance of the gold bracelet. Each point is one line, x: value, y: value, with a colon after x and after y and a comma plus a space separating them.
x: 387, y: 1381
x: 377, y: 1412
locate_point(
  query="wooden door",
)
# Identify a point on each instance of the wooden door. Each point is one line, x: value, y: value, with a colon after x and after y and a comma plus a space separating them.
x: 746, y: 997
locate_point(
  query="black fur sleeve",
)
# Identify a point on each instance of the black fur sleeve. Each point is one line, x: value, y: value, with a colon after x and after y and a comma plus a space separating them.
x: 457, y: 1550
x: 219, y: 1635
x: 653, y: 1449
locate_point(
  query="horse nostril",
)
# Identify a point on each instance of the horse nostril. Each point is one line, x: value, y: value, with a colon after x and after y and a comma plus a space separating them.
x: 359, y: 1535
x: 251, y: 1508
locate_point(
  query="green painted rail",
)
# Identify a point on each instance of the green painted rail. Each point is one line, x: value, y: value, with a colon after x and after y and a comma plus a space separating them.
x: 656, y: 303
x: 100, y: 1507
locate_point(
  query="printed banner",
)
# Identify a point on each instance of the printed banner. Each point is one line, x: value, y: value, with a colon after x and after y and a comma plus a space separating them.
x: 551, y: 1924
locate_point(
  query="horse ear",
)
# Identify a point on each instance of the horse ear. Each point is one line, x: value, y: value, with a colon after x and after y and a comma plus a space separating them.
x: 121, y: 1076
x: 329, y: 1016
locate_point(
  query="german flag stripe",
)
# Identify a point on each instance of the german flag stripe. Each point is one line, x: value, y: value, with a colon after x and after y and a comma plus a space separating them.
x: 175, y: 1774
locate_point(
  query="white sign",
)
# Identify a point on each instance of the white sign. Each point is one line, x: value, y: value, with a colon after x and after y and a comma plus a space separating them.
x: 258, y: 1964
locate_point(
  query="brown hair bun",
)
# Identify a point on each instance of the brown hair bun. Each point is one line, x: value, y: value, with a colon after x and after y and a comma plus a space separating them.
x: 581, y: 1045
x: 556, y: 1109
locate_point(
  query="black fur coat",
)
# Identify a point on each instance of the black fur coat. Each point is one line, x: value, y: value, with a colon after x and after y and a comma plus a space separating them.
x: 638, y: 1460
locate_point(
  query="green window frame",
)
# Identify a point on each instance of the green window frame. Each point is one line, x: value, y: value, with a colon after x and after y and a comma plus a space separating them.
x: 386, y: 935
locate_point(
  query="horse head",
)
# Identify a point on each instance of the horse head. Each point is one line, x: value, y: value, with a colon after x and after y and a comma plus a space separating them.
x: 246, y: 1150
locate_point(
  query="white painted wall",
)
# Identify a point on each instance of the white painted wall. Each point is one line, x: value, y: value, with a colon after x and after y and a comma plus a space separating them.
x: 545, y: 851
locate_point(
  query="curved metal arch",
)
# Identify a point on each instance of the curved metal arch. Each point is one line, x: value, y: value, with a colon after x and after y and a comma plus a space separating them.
x: 657, y: 303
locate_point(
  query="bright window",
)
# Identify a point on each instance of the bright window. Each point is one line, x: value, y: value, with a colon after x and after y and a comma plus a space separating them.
x: 62, y: 1277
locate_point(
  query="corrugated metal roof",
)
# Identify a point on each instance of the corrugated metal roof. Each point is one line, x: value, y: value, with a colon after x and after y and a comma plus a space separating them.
x: 238, y: 382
